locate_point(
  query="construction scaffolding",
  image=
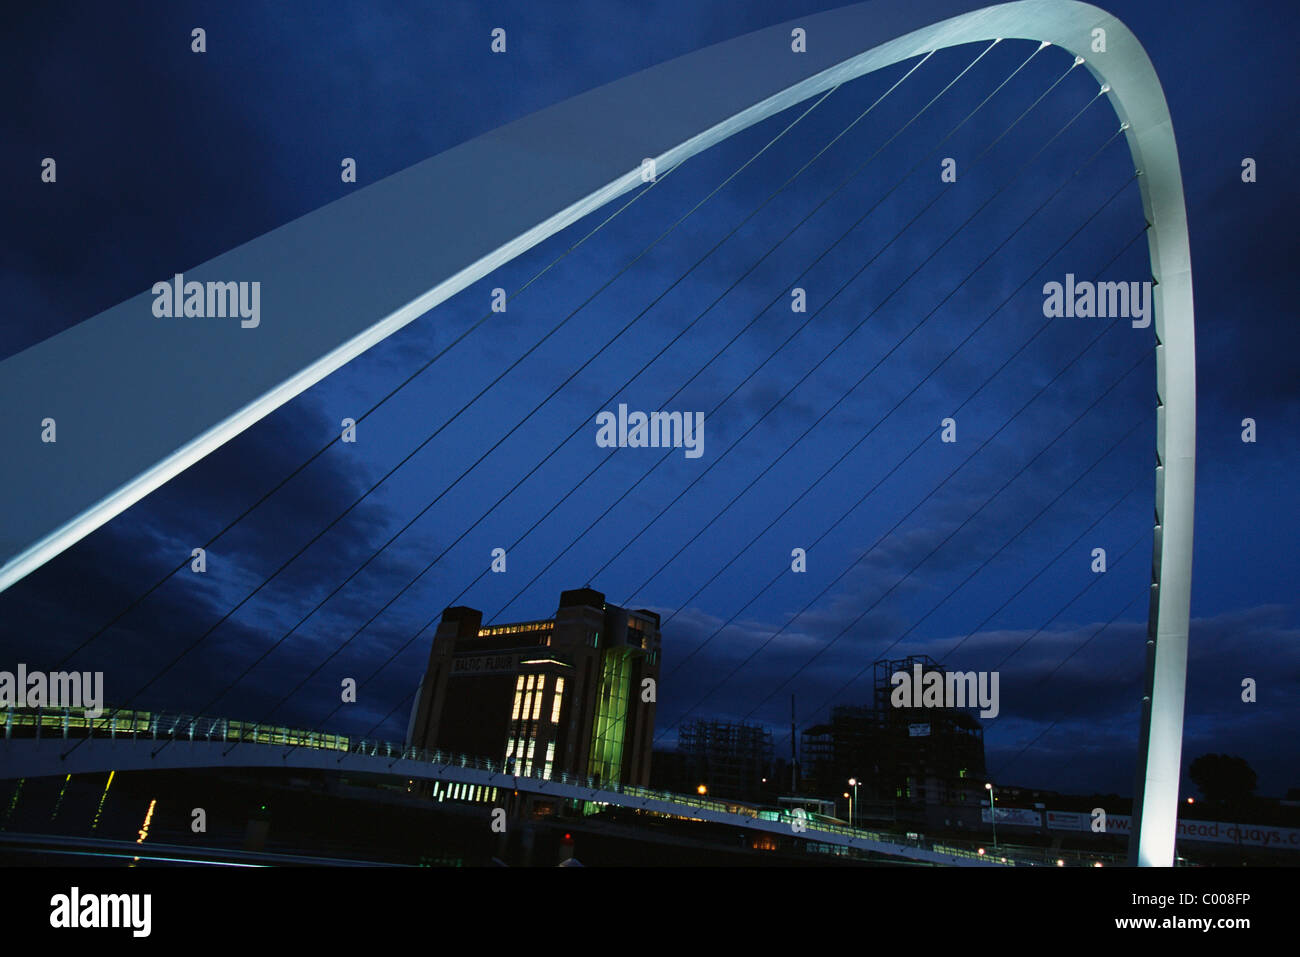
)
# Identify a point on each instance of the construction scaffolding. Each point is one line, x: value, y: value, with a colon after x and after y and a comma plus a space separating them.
x: 729, y: 758
x: 903, y: 758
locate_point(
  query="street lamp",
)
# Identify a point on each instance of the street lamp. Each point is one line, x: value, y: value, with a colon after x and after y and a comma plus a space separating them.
x: 993, y: 814
x: 853, y: 783
x: 701, y: 790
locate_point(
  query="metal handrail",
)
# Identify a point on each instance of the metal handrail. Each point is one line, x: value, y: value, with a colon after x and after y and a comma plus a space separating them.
x: 199, y: 728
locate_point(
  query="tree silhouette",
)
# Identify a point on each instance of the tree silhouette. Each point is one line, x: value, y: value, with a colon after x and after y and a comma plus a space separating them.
x: 1223, y: 778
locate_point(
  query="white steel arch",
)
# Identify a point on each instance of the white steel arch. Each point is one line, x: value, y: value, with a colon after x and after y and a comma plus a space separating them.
x: 340, y: 279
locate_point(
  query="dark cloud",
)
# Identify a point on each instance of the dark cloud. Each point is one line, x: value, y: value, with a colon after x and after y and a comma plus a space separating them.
x: 166, y: 159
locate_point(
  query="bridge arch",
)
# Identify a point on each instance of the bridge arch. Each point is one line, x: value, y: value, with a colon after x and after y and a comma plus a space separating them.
x: 508, y: 190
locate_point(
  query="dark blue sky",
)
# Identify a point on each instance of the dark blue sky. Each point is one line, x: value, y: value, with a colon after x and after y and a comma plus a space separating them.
x: 167, y: 158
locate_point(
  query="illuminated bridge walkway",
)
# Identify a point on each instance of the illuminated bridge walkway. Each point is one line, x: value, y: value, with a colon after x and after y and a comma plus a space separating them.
x: 45, y: 742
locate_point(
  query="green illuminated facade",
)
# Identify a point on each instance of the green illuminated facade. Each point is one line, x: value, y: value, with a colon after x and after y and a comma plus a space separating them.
x: 570, y: 695
x: 608, y: 730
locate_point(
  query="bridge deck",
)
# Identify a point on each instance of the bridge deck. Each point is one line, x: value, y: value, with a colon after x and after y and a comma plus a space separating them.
x: 45, y: 742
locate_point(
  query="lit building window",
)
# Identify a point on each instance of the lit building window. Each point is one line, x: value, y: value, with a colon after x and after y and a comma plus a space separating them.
x: 537, y: 700
x: 528, y: 696
x: 559, y: 696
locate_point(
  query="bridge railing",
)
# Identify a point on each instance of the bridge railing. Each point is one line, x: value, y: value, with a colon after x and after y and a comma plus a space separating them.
x: 158, y: 726
x: 163, y: 726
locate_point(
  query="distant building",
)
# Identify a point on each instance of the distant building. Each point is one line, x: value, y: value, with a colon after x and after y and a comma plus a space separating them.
x: 732, y: 759
x: 904, y: 759
x: 546, y: 697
